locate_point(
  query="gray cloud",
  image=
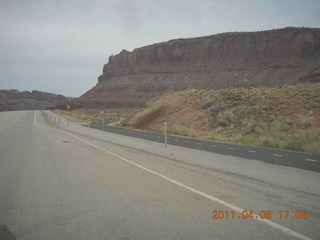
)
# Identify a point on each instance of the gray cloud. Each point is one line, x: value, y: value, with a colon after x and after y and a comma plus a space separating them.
x: 61, y: 45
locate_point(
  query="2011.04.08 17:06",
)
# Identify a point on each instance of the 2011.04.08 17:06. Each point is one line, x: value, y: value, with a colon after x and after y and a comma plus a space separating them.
x: 263, y: 214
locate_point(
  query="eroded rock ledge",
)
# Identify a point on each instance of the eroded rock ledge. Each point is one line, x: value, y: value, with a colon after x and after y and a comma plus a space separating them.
x: 240, y: 59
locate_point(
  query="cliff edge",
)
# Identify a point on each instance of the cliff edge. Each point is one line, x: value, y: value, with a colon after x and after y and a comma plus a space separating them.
x: 241, y: 59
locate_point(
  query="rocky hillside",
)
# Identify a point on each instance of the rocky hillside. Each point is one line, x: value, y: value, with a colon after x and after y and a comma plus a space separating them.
x: 15, y: 100
x: 286, y: 117
x: 241, y: 59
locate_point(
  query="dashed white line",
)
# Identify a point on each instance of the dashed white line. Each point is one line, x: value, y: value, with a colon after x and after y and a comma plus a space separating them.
x: 310, y: 160
x: 277, y: 155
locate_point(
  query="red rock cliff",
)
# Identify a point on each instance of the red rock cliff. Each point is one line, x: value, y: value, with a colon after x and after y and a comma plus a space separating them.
x: 267, y: 58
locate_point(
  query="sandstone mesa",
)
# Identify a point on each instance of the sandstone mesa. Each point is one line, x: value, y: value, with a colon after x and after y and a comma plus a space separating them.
x: 240, y: 59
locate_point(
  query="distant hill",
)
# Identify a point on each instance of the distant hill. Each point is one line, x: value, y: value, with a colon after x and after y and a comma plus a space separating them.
x: 15, y: 100
x: 239, y: 59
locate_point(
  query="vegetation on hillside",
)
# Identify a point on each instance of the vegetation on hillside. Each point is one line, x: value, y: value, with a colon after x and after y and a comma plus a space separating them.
x: 93, y: 115
x: 285, y: 117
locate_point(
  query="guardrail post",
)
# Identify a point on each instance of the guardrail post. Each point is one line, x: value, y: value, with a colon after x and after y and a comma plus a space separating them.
x: 103, y: 125
x: 165, y: 134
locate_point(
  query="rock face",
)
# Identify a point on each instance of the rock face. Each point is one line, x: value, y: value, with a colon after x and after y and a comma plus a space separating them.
x: 246, y: 59
x: 15, y: 100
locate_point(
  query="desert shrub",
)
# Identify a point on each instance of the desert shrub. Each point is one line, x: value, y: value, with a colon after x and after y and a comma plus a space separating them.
x: 281, y: 136
x: 178, y: 129
x: 289, y: 121
x: 296, y: 143
x: 270, y: 143
x: 217, y: 109
x: 225, y: 118
x: 259, y: 130
x: 253, y: 127
x: 252, y: 102
x: 206, y: 103
x: 271, y: 118
x: 312, y: 147
x: 306, y: 121
x: 313, y: 136
x: 247, y: 140
x: 214, y: 138
x: 312, y: 105
x: 279, y: 125
x: 309, y: 142
x: 266, y: 108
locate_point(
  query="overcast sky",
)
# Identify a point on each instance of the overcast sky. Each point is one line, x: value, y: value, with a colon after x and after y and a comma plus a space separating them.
x: 60, y: 46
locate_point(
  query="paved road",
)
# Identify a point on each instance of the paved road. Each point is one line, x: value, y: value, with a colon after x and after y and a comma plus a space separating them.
x: 69, y: 182
x: 285, y: 158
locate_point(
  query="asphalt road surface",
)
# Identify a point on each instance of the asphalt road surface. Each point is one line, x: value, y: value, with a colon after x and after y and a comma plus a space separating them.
x: 59, y: 180
x: 301, y: 160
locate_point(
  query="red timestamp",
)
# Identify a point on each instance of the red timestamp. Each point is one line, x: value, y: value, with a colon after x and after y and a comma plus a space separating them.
x: 263, y: 214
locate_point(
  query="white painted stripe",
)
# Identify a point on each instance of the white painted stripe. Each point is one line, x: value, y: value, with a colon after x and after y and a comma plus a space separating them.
x: 277, y: 155
x: 311, y: 160
x: 210, y: 197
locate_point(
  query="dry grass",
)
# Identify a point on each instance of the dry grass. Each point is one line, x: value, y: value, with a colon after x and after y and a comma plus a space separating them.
x: 74, y: 116
x: 92, y: 115
x: 182, y: 130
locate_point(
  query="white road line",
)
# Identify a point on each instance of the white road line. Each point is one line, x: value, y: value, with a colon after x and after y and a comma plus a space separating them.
x: 310, y: 160
x: 210, y: 197
x: 277, y: 155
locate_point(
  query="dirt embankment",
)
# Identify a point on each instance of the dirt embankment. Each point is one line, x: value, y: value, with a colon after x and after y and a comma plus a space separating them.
x: 285, y: 117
